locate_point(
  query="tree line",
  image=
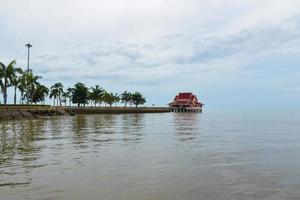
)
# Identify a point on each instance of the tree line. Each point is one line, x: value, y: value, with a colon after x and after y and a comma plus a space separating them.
x: 33, y: 92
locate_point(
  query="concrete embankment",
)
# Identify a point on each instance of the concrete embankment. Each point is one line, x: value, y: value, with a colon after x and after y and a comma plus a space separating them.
x: 16, y: 112
x: 115, y: 110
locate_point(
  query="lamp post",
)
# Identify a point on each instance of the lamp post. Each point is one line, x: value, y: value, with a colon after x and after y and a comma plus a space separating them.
x: 28, y: 46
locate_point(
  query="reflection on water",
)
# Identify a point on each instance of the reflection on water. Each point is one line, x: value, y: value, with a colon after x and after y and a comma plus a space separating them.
x: 186, y: 125
x: 19, y: 151
x: 150, y: 156
x: 132, y: 128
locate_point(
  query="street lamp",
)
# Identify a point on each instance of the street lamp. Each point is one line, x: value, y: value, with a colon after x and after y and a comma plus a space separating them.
x: 28, y: 46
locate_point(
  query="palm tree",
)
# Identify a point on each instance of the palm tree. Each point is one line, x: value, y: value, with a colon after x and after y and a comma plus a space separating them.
x: 56, y: 92
x: 80, y: 94
x: 40, y: 93
x: 22, y: 87
x: 111, y: 98
x: 138, y: 99
x: 6, y: 75
x: 16, y: 81
x: 31, y: 84
x: 117, y: 98
x: 69, y: 94
x: 64, y: 98
x: 1, y: 81
x: 125, y: 98
x: 43, y: 92
x: 96, y: 94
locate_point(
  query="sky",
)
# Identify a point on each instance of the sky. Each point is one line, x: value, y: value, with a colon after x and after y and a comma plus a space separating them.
x: 233, y: 54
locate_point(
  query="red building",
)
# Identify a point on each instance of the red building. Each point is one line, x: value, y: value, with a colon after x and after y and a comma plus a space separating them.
x: 186, y: 102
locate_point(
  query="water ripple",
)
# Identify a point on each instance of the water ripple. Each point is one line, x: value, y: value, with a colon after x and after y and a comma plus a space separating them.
x: 150, y: 156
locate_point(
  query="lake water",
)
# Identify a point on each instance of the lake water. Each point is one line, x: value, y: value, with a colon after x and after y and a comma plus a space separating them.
x: 171, y: 156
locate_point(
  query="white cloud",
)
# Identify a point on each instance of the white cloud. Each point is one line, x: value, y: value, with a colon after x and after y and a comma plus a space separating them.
x: 145, y: 44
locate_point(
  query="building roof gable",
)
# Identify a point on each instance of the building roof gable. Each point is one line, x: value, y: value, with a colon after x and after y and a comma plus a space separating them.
x: 185, y: 95
x: 185, y: 98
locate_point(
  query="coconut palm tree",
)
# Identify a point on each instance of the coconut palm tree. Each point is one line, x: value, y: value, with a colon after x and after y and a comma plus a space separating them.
x: 69, y: 94
x: 138, y: 99
x: 80, y: 94
x: 16, y: 81
x: 117, y: 99
x: 22, y: 87
x: 111, y: 98
x: 96, y: 94
x: 56, y: 92
x: 6, y: 75
x: 125, y: 98
x: 1, y: 80
x: 64, y: 98
x: 40, y: 94
x: 31, y: 84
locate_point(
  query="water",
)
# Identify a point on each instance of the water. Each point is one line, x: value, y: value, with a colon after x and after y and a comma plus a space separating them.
x: 171, y: 156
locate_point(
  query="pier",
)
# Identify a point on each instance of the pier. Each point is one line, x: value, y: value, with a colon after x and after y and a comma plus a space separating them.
x: 199, y: 110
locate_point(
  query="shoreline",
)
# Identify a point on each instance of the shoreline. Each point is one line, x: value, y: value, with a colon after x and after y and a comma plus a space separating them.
x: 17, y: 112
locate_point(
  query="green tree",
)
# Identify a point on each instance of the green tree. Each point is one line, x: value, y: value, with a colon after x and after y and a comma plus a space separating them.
x: 40, y: 93
x: 96, y: 95
x: 22, y: 87
x: 69, y: 93
x: 117, y: 98
x: 53, y: 95
x: 110, y: 98
x: 7, y: 73
x: 64, y: 98
x: 126, y: 98
x: 31, y: 83
x: 56, y: 93
x: 138, y: 99
x: 80, y: 94
x: 16, y: 81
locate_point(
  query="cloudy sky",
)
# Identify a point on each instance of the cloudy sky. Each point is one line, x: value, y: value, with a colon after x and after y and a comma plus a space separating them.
x: 231, y: 53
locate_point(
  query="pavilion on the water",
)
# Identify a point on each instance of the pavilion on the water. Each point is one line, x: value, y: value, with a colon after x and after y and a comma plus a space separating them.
x: 186, y: 102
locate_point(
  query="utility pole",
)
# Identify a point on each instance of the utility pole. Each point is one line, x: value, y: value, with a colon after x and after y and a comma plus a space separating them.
x: 28, y: 46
